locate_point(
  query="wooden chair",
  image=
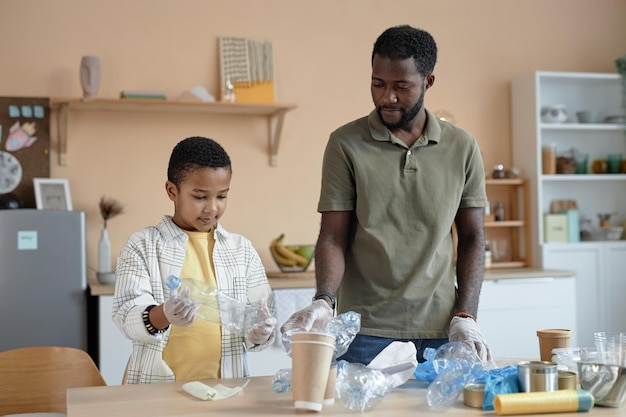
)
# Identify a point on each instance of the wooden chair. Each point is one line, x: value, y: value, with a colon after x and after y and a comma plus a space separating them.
x: 35, y: 379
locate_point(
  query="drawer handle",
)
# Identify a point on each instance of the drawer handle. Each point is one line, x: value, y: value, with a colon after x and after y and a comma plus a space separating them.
x: 525, y: 281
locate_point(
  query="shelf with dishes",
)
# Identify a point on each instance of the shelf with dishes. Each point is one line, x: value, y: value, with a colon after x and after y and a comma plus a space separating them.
x: 507, y: 233
x: 273, y: 112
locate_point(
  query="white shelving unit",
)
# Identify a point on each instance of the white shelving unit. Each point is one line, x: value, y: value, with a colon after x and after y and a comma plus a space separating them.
x: 594, y: 193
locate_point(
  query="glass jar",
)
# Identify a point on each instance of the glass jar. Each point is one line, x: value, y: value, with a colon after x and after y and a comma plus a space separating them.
x: 498, y: 172
x: 498, y: 210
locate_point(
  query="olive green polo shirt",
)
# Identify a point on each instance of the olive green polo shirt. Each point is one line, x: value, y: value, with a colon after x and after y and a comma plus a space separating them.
x: 399, y: 264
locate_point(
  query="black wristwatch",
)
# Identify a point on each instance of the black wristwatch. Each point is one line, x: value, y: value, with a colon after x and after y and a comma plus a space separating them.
x: 331, y: 297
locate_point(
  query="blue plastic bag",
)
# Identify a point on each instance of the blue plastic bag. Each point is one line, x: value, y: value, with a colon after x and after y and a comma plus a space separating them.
x: 499, y: 381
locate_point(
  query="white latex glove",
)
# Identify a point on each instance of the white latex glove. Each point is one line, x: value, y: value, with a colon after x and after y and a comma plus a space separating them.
x: 263, y: 329
x: 465, y: 329
x: 314, y: 317
x: 180, y: 310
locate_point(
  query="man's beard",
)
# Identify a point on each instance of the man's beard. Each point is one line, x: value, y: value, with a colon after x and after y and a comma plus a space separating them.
x: 407, y: 117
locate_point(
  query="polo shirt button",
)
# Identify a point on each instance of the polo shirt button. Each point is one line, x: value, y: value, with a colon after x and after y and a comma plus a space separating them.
x: 408, y: 153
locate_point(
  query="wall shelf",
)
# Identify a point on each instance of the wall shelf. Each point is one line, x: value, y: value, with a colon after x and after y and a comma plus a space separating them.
x: 516, y: 228
x: 275, y: 114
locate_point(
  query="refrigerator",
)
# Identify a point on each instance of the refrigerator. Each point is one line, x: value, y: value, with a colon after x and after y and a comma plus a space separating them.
x: 43, y: 284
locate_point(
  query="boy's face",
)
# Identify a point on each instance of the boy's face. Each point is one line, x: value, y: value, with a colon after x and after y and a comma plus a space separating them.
x: 200, y: 201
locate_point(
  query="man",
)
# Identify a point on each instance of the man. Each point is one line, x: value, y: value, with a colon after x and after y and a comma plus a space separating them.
x: 393, y: 183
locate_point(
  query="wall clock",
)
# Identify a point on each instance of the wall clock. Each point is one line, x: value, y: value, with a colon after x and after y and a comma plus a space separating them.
x: 10, y: 172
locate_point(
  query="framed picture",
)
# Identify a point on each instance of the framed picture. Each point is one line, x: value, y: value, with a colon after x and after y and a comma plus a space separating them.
x: 52, y: 194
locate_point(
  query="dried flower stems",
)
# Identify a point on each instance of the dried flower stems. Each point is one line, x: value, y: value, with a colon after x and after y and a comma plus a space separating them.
x: 109, y: 208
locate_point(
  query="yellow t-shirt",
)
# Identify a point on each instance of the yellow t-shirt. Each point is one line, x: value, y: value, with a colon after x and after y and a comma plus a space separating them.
x: 195, y: 352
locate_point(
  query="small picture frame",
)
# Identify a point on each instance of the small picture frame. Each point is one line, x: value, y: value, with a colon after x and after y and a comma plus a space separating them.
x: 52, y: 194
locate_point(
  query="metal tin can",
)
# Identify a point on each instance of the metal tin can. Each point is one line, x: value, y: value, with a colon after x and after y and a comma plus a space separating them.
x: 534, y: 376
x: 474, y: 395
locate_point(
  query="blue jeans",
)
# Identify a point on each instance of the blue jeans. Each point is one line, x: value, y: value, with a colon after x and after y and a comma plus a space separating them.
x: 365, y: 348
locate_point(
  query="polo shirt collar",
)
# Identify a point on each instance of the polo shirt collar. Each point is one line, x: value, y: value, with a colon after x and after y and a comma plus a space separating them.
x: 431, y: 134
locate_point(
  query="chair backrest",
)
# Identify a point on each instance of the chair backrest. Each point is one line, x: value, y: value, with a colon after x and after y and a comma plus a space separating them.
x: 36, y: 379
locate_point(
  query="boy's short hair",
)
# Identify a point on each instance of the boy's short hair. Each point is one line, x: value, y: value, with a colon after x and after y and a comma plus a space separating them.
x: 193, y: 153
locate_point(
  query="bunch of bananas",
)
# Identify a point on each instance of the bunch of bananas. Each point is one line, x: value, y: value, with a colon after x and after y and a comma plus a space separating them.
x: 290, y: 255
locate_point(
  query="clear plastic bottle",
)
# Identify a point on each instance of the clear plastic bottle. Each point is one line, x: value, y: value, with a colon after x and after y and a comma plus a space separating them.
x: 359, y: 388
x: 217, y: 307
x: 447, y: 387
x: 200, y: 292
x: 344, y: 327
x: 281, y: 382
x: 229, y: 91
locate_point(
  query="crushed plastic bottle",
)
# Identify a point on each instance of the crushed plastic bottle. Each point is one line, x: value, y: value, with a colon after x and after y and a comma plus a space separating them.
x: 281, y: 382
x: 456, y: 365
x: 447, y: 387
x: 360, y: 388
x: 216, y: 306
x: 344, y: 327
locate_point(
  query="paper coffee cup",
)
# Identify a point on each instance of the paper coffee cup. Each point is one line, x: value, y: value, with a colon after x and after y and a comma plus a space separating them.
x: 329, y: 394
x: 311, y: 355
x: 550, y: 339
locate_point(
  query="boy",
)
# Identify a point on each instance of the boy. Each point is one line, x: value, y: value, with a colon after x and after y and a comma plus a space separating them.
x: 168, y: 343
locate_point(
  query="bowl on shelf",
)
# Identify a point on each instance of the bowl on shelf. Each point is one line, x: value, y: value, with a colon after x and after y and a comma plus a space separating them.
x: 613, y: 233
x: 293, y: 258
x: 587, y: 116
x: 106, y: 278
x: 607, y: 383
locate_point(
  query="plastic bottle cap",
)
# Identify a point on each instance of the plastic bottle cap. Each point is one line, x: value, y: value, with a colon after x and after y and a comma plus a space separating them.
x: 172, y: 282
x: 280, y: 386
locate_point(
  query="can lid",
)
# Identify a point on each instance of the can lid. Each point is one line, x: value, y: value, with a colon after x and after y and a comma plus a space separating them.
x: 537, y: 367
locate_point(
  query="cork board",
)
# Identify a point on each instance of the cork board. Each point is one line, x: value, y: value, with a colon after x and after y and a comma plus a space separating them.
x: 24, y: 145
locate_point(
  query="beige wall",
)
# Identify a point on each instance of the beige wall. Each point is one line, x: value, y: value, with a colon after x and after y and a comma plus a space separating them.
x: 322, y: 55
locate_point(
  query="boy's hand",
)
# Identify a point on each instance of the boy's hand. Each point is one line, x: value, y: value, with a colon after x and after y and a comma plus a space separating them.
x: 263, y: 328
x: 180, y: 310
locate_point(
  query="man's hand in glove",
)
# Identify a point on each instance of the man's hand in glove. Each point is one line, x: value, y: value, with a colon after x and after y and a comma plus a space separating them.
x: 465, y: 329
x: 314, y: 317
x: 180, y: 310
x: 263, y: 328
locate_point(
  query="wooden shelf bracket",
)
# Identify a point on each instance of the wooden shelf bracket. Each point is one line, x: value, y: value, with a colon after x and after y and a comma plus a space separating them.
x: 275, y: 114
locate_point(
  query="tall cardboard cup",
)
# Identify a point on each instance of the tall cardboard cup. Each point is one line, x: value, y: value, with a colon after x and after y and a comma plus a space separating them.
x: 329, y: 394
x: 311, y: 355
x: 550, y: 339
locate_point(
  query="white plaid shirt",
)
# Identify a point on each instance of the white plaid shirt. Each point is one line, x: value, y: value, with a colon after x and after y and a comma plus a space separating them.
x: 147, y: 259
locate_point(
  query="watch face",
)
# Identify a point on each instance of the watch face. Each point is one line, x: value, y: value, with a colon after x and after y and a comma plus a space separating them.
x: 10, y: 172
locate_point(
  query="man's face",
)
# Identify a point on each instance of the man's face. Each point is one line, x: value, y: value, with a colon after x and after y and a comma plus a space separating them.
x: 397, y: 91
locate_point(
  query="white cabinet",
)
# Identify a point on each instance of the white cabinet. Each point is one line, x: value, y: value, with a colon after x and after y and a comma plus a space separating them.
x: 600, y: 284
x: 114, y: 348
x: 512, y: 310
x: 594, y: 193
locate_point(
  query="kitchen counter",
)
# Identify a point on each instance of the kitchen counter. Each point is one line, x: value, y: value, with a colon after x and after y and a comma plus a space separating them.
x: 257, y: 399
x: 280, y: 280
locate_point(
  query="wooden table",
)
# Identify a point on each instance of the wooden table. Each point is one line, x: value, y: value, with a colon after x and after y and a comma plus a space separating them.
x: 258, y: 399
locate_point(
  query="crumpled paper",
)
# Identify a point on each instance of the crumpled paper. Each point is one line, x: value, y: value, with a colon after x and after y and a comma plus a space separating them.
x: 398, y: 360
x: 217, y: 392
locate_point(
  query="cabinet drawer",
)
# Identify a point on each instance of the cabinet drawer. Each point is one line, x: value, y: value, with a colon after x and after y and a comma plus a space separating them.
x: 527, y: 293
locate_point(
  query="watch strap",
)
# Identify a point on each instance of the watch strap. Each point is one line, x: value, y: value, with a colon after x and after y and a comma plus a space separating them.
x: 332, y: 297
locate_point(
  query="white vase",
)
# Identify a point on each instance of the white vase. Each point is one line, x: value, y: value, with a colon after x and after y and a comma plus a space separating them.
x: 90, y: 75
x: 104, y: 252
